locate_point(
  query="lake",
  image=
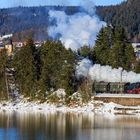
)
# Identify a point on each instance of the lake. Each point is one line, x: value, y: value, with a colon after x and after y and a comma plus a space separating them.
x: 67, y: 126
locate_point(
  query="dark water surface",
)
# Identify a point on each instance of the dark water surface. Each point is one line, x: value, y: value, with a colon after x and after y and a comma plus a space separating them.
x: 69, y: 126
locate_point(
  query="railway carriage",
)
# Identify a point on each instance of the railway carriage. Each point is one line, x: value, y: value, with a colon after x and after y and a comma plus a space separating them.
x: 133, y: 88
x: 101, y: 87
x: 116, y: 87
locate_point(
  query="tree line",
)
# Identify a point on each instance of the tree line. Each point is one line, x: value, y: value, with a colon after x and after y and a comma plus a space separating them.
x: 40, y: 71
x: 126, y: 15
x: 45, y: 69
x: 112, y: 48
x: 24, y: 20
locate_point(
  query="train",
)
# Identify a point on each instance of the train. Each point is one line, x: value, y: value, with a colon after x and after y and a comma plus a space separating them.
x: 116, y: 87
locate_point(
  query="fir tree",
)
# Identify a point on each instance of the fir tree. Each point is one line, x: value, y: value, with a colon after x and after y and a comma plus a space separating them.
x: 3, y: 84
x: 122, y: 53
x: 137, y: 67
x: 112, y: 48
x: 57, y: 67
x: 102, y: 46
x: 85, y: 51
x: 130, y: 58
x: 24, y: 65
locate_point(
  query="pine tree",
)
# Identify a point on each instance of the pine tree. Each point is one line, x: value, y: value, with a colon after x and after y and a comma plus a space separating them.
x: 122, y: 53
x: 102, y: 46
x: 36, y: 56
x: 85, y: 51
x: 118, y: 55
x: 24, y: 65
x: 3, y: 84
x: 57, y: 67
x: 66, y: 76
x: 112, y: 48
x: 130, y: 58
x: 137, y: 67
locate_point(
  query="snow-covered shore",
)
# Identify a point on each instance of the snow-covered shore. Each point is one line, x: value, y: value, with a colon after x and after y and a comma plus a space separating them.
x: 97, y: 107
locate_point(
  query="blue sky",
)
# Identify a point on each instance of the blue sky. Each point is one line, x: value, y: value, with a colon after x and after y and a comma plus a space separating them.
x: 107, y: 2
x: 13, y: 3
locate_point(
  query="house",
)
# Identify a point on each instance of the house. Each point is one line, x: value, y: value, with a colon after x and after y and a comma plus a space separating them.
x: 18, y: 45
x: 38, y: 44
x: 6, y: 43
x: 8, y: 46
x: 136, y: 47
x: 6, y: 36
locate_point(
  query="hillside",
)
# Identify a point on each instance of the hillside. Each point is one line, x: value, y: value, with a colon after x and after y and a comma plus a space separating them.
x: 127, y: 14
x: 28, y: 20
x: 34, y: 20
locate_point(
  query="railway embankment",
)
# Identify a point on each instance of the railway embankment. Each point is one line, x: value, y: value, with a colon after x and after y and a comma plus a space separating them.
x: 122, y: 99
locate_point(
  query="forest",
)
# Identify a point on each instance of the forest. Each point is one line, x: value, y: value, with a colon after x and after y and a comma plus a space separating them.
x: 28, y: 20
x: 125, y: 15
x: 40, y: 71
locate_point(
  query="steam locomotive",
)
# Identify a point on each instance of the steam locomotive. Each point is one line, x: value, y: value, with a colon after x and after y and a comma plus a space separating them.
x: 116, y: 88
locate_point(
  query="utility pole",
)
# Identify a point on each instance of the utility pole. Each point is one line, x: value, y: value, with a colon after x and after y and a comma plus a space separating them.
x: 121, y: 84
x: 121, y: 75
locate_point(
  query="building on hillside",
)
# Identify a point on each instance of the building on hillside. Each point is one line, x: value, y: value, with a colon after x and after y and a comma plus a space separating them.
x: 6, y: 36
x: 38, y: 44
x: 6, y: 43
x: 18, y: 45
x: 8, y: 46
x: 136, y: 47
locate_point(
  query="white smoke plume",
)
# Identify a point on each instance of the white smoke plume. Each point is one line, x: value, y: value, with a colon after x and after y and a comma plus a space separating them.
x: 76, y: 30
x: 105, y: 73
x: 82, y: 69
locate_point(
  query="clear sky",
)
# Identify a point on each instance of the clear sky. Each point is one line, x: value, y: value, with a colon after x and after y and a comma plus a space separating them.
x: 13, y: 3
x: 107, y: 2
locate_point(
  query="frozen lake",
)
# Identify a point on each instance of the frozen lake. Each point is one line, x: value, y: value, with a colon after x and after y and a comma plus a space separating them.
x: 67, y: 126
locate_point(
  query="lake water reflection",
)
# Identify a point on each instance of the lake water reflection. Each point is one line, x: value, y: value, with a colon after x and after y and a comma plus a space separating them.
x: 67, y: 126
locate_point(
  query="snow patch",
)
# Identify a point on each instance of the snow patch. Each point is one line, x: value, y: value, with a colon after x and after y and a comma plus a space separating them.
x: 96, y: 107
x: 60, y: 93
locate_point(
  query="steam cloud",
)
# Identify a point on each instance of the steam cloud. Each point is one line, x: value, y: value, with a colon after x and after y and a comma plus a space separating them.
x: 105, y: 73
x: 76, y: 30
x: 81, y: 29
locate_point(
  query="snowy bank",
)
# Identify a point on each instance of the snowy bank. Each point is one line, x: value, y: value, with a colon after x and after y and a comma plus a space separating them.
x: 96, y: 107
